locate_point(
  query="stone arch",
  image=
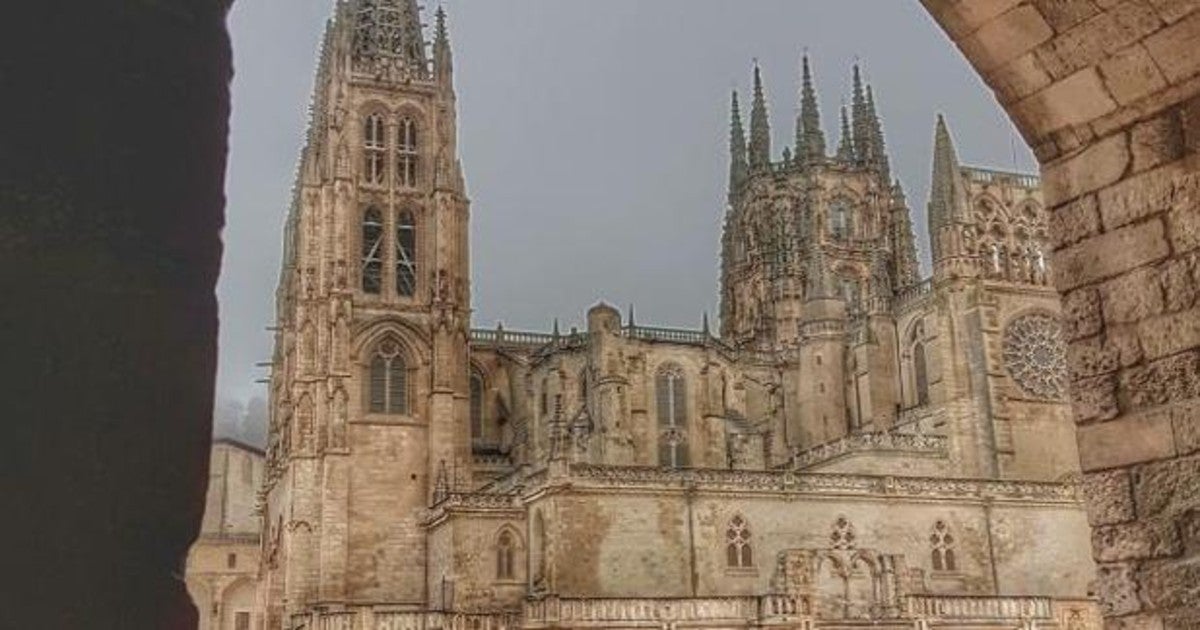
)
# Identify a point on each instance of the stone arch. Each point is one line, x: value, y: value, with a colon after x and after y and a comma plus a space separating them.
x: 238, y: 598
x: 1111, y: 107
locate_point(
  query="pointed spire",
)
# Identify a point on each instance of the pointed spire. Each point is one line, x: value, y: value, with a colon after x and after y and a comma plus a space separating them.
x: 443, y: 59
x: 760, y: 126
x: 904, y: 242
x: 944, y: 191
x: 738, y: 166
x: 556, y: 333
x: 632, y: 321
x: 861, y: 129
x: 878, y: 151
x: 845, y: 152
x: 705, y: 325
x: 808, y: 126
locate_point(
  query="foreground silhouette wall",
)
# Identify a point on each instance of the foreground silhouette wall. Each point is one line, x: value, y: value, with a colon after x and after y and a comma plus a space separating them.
x: 113, y: 125
x: 1106, y: 93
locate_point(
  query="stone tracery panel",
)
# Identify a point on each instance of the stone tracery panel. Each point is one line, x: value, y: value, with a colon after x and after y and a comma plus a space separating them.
x: 1035, y: 355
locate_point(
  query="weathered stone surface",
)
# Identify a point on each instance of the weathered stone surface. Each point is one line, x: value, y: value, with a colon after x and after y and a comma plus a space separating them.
x: 1005, y: 37
x: 1171, y: 584
x: 1134, y: 622
x: 1167, y: 488
x: 1131, y: 74
x: 1098, y: 166
x: 1185, y: 418
x: 1091, y: 357
x: 1174, y: 10
x: 1020, y: 77
x: 1174, y: 378
x: 1137, y: 540
x: 1110, y: 254
x: 1126, y: 440
x: 1157, y: 141
x: 1073, y: 100
x: 1109, y: 497
x: 1074, y: 221
x: 1081, y: 311
x: 1093, y: 40
x: 1141, y: 196
x: 1179, y: 281
x: 1117, y: 589
x: 1170, y: 333
x: 1094, y: 398
x: 1132, y: 297
x: 1170, y: 47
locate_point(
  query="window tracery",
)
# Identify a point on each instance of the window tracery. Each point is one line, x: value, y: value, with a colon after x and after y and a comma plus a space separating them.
x: 372, y: 251
x: 1034, y: 351
x: 671, y: 395
x: 1009, y: 243
x: 739, y: 554
x: 942, y: 543
x: 387, y: 382
x: 839, y: 220
x: 407, y: 158
x: 842, y: 536
x: 374, y: 149
x: 406, y: 255
x: 505, y: 556
x: 476, y: 395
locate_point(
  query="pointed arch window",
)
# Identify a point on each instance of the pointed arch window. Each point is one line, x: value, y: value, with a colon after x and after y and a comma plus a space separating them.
x: 839, y: 220
x: 407, y: 158
x: 406, y: 255
x: 506, y: 551
x: 671, y: 396
x: 942, y: 543
x: 739, y: 554
x: 374, y: 149
x: 476, y: 407
x: 920, y: 374
x: 387, y: 382
x: 372, y: 251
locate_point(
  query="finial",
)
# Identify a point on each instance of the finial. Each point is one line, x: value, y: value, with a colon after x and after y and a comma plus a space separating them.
x: 631, y: 319
x: 706, y: 329
x: 556, y: 328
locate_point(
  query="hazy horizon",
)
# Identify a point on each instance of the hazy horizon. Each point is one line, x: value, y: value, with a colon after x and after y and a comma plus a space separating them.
x: 594, y: 141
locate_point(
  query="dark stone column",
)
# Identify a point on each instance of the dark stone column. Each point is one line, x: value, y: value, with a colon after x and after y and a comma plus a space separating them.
x: 113, y: 135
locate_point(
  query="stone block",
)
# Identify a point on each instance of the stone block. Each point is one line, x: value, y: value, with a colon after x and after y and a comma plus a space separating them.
x: 1075, y: 100
x: 1134, y: 622
x: 1156, y: 141
x: 1185, y: 421
x: 1096, y: 167
x: 1172, y: 379
x: 1167, y: 488
x: 1090, y: 357
x: 1122, y: 339
x: 1154, y: 538
x: 1184, y: 218
x: 1116, y: 589
x: 1174, y: 48
x: 1019, y: 78
x: 1063, y: 15
x: 1074, y: 221
x: 1126, y: 440
x: 1004, y: 37
x: 1081, y: 313
x: 1130, y: 74
x: 1109, y: 496
x: 1174, y: 10
x: 1189, y: 115
x: 1139, y: 196
x: 1171, y: 584
x: 1110, y: 254
x: 1132, y: 297
x: 1179, y: 282
x: 961, y: 18
x: 1170, y: 334
x: 1094, y: 398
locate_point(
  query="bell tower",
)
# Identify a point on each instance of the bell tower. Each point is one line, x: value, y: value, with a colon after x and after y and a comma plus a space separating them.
x: 369, y: 389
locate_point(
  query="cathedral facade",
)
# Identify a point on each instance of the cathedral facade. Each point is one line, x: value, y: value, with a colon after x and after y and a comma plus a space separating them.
x: 854, y: 445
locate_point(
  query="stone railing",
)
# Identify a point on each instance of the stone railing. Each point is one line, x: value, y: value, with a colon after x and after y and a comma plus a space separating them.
x: 912, y: 295
x: 605, y: 612
x: 990, y: 176
x: 792, y: 482
x: 510, y: 338
x: 670, y: 335
x: 378, y: 618
x: 874, y: 442
x: 979, y: 608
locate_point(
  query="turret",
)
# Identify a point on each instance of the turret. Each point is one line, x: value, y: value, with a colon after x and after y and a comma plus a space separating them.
x: 946, y: 198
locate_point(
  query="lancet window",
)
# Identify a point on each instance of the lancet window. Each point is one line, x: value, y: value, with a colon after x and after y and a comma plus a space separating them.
x: 374, y: 149
x: 476, y: 407
x: 407, y: 158
x: 406, y: 255
x: 839, y: 220
x: 671, y: 395
x: 387, y: 381
x: 506, y: 549
x: 372, y: 251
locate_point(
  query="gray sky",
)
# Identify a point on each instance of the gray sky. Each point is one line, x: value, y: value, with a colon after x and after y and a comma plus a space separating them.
x: 594, y: 138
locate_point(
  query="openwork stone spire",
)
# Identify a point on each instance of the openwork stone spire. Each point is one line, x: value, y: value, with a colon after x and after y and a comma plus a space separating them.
x: 387, y: 34
x: 861, y: 130
x: 845, y: 152
x: 760, y: 126
x: 443, y: 58
x: 810, y: 140
x: 737, y: 148
x: 878, y: 152
x: 904, y: 242
x: 944, y: 190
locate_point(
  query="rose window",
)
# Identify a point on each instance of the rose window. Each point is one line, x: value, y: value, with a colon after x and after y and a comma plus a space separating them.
x: 1035, y: 355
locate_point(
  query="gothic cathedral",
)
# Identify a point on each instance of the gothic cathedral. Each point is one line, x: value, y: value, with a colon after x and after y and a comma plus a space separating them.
x: 853, y: 446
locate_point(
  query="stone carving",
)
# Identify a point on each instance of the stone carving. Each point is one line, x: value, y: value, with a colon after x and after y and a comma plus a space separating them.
x: 1035, y: 355
x: 843, y: 536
